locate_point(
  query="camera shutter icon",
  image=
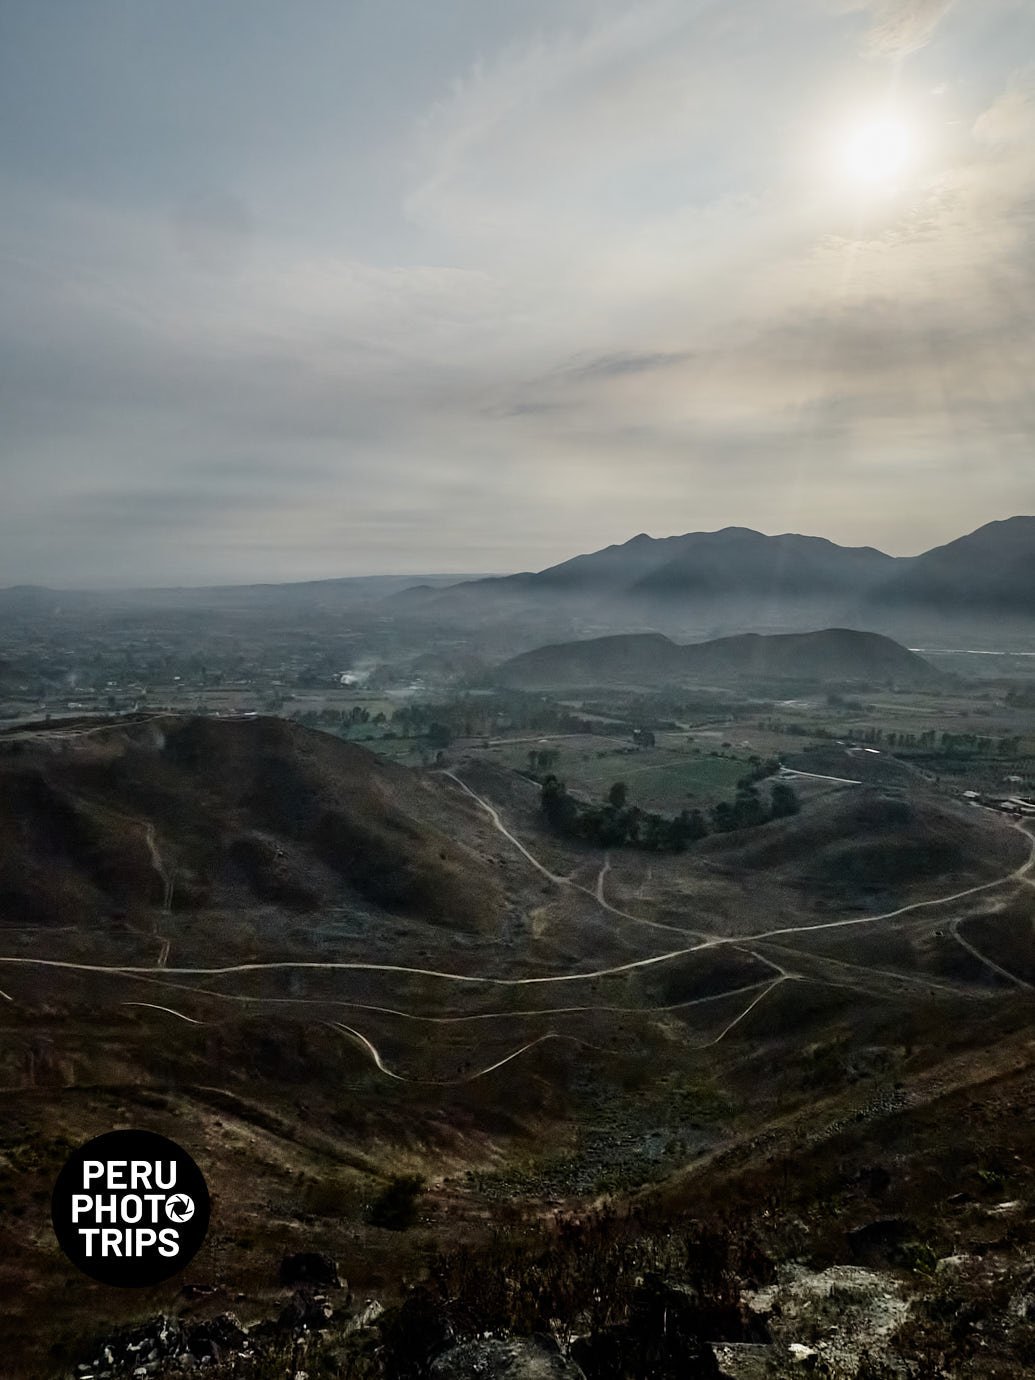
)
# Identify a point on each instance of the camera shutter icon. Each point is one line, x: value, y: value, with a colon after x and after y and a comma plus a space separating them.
x: 179, y: 1208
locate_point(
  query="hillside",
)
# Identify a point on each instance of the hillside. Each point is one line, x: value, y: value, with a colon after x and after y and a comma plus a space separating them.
x: 991, y: 570
x: 735, y: 576
x: 230, y: 814
x: 738, y: 560
x: 319, y: 971
x: 834, y: 654
x: 868, y: 843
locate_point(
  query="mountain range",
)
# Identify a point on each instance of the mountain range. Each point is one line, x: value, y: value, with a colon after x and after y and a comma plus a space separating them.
x: 738, y: 579
x: 698, y: 585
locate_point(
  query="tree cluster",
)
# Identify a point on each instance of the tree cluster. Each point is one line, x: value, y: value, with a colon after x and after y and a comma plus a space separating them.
x: 615, y: 823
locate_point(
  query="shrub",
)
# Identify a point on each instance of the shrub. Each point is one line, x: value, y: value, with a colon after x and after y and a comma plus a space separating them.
x: 395, y: 1208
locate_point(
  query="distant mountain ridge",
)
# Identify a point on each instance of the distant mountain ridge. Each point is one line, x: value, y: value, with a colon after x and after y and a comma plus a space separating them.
x: 733, y: 558
x: 833, y: 654
x: 992, y: 568
x: 694, y: 585
x: 739, y: 579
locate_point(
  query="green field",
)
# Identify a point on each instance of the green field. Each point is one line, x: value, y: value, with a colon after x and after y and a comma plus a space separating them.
x: 667, y: 777
x: 658, y: 779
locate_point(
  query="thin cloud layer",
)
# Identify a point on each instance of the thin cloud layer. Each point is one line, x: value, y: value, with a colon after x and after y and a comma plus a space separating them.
x: 576, y: 271
x: 901, y: 27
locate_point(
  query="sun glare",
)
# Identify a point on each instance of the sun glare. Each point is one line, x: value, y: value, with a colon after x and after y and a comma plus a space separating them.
x: 877, y: 151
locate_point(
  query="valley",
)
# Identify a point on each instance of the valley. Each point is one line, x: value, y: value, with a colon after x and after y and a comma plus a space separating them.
x: 336, y: 969
x: 488, y: 967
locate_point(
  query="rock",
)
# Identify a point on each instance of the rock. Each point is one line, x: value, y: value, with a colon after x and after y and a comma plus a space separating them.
x: 492, y: 1359
x: 152, y: 1347
x: 306, y: 1312
x: 310, y: 1267
x: 216, y: 1337
x: 662, y: 1339
x: 199, y: 1291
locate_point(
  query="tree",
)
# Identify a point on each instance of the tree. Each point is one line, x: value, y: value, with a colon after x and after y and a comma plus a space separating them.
x: 784, y: 801
x: 687, y: 826
x: 557, y: 805
x: 439, y: 735
x: 748, y: 810
x: 722, y: 817
x: 653, y: 832
x: 618, y: 794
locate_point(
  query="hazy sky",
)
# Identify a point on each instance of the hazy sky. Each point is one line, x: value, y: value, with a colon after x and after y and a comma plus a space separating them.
x: 326, y: 287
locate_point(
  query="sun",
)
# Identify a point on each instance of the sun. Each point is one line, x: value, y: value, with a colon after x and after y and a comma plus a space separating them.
x: 877, y: 151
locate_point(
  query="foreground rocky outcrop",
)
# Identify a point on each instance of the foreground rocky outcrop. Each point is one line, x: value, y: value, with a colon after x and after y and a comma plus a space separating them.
x: 516, y: 1359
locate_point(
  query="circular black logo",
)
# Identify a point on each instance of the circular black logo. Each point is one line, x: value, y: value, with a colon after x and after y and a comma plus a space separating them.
x: 130, y: 1208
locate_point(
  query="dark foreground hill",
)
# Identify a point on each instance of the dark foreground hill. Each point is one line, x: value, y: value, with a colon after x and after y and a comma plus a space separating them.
x: 197, y: 812
x: 832, y: 655
x: 624, y: 1155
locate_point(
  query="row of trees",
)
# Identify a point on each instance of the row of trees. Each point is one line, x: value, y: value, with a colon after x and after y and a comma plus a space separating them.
x: 930, y: 740
x: 504, y: 711
x: 341, y: 718
x: 615, y: 823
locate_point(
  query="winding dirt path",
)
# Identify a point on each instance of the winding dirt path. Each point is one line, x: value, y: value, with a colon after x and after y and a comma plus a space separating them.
x: 154, y: 1007
x: 597, y: 894
x: 732, y: 941
x: 989, y: 963
x: 167, y: 880
x: 382, y: 1067
x: 163, y: 972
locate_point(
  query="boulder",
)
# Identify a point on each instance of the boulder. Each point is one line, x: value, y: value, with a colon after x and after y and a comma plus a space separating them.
x: 306, y: 1312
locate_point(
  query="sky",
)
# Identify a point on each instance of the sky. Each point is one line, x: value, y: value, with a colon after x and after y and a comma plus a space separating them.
x: 292, y: 290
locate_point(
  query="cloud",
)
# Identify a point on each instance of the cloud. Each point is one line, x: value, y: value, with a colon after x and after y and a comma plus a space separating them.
x: 1010, y: 121
x: 613, y: 366
x: 601, y: 297
x: 901, y: 27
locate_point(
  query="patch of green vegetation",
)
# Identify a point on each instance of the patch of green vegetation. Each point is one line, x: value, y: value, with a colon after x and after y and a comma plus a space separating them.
x: 617, y: 823
x: 658, y: 775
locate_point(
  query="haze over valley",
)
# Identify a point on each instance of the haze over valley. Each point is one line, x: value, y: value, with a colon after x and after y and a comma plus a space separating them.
x: 517, y: 684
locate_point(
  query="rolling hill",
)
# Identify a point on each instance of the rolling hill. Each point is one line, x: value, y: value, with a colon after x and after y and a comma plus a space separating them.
x: 865, y: 842
x: 229, y: 814
x: 834, y: 654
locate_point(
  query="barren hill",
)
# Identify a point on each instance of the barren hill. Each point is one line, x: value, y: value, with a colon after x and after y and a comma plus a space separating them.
x: 834, y: 654
x: 852, y: 845
x: 97, y: 823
